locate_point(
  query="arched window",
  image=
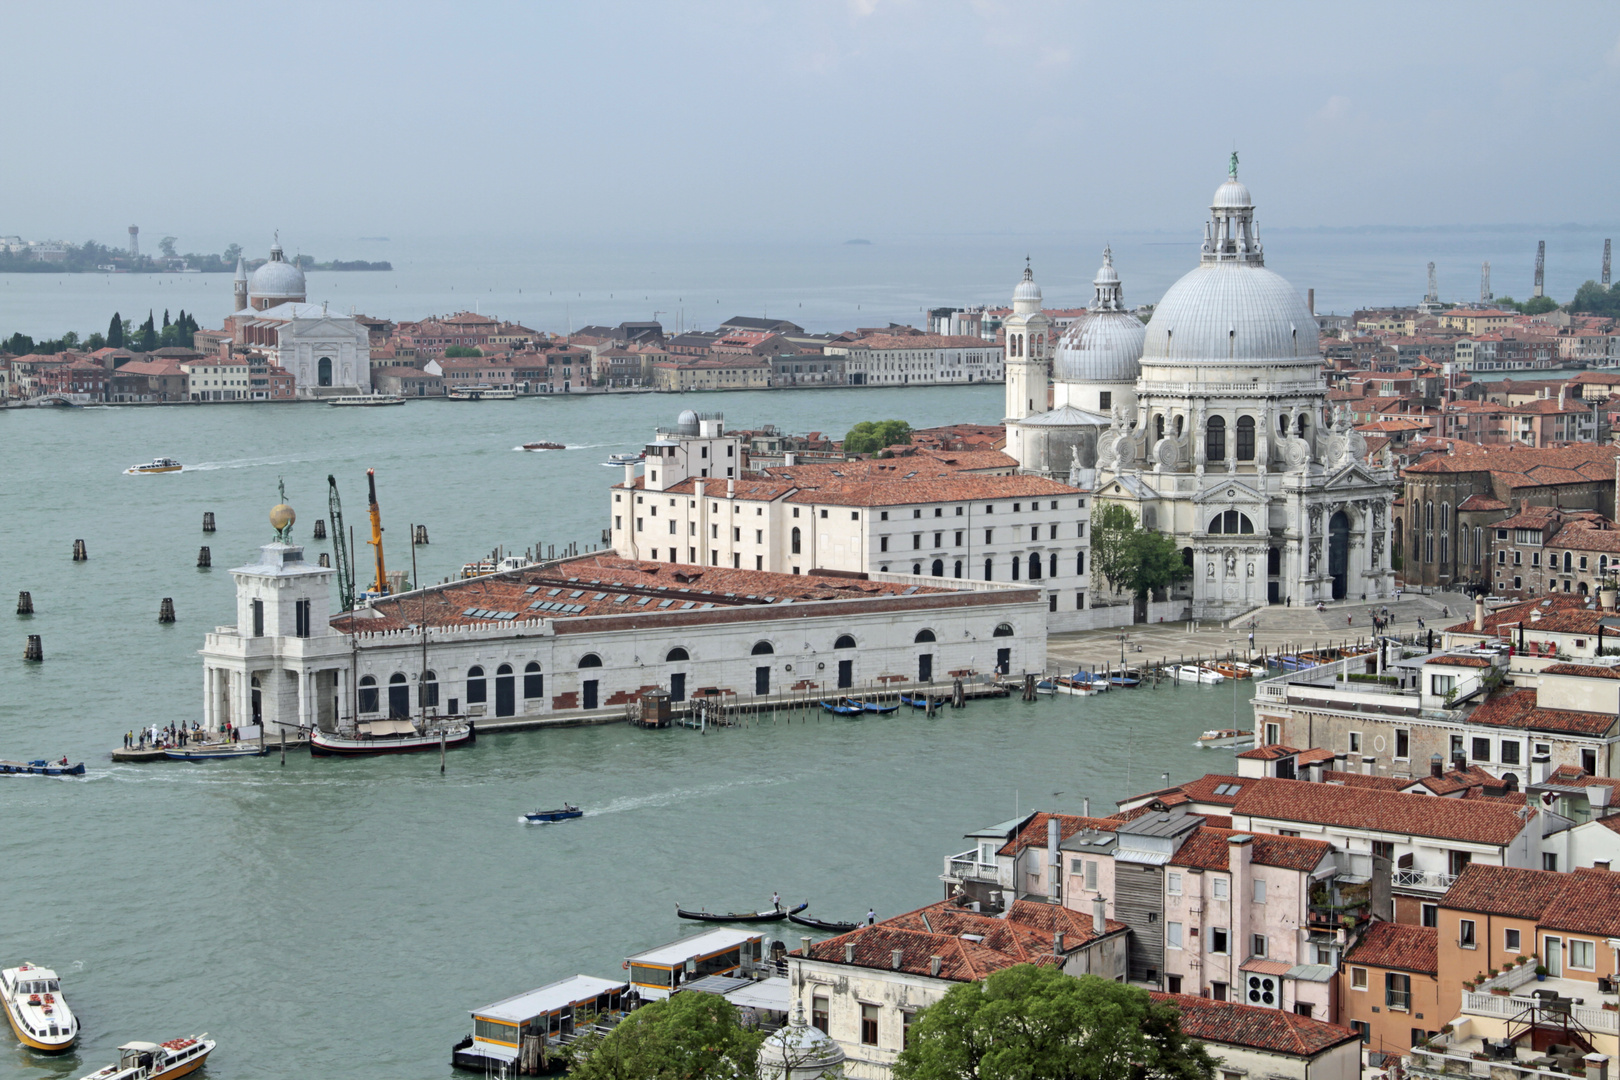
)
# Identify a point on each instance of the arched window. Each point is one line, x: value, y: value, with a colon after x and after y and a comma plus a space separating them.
x: 1187, y: 557
x: 504, y: 669
x: 1231, y: 523
x: 1034, y: 566
x: 989, y: 570
x: 796, y: 540
x: 1568, y: 561
x: 1079, y: 563
x: 677, y: 653
x: 1004, y: 630
x: 1245, y: 438
x: 427, y: 690
x: 399, y: 695
x: 762, y: 648
x: 534, y: 683
x: 1158, y: 426
x: 590, y: 659
x: 477, y: 692
x: 939, y: 568
x: 1282, y: 424
x: 1215, y: 439
x: 1178, y: 425
x: 844, y: 642
x: 1017, y: 565
x: 1300, y: 427
x: 958, y: 572
x: 368, y: 694
x: 916, y: 568
x: 923, y: 635
x: 1051, y: 567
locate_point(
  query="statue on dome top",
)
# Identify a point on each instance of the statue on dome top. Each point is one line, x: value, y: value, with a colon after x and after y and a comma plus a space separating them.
x: 1231, y: 169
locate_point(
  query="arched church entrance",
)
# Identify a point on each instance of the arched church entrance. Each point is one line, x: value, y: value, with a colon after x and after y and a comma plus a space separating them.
x: 323, y: 371
x: 1339, y: 554
x: 1273, y: 575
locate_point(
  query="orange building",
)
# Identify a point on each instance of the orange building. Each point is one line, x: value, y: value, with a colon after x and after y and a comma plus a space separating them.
x: 1389, y: 987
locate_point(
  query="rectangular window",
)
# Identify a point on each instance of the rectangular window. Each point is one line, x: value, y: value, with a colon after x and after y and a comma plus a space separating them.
x: 1091, y: 873
x: 1549, y: 861
x: 1105, y: 400
x: 1358, y: 978
x: 1217, y: 940
x: 1259, y: 891
x: 1172, y: 884
x: 1217, y: 991
x: 258, y: 618
x: 988, y: 533
x: 1482, y: 749
x: 883, y: 543
x: 301, y: 618
x: 1582, y: 955
x: 818, y: 1013
x: 958, y: 537
x: 1510, y: 752
x: 1355, y: 742
x: 1510, y: 940
x: 1441, y: 685
x: 1172, y: 935
x: 1465, y: 934
x: 1403, y: 744
x: 906, y: 1018
x: 869, y: 1019
x: 1219, y: 888
x: 1398, y: 991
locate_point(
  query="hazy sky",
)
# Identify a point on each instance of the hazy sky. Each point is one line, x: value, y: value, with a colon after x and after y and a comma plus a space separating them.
x: 796, y: 120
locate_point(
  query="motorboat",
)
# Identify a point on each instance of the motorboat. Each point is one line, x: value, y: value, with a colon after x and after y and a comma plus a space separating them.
x: 157, y: 1061
x: 397, y: 736
x: 823, y: 924
x: 1080, y: 684
x: 1231, y: 670
x: 1126, y: 677
x: 41, y: 768
x: 1225, y: 737
x: 1192, y: 673
x: 214, y: 751
x: 774, y: 915
x: 544, y: 446
x: 1045, y: 686
x: 32, y: 996
x: 157, y: 465
x: 563, y: 813
x: 624, y: 459
x: 1297, y: 663
x: 364, y: 400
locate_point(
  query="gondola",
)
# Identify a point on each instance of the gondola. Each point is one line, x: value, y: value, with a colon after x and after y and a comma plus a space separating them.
x: 841, y: 708
x: 747, y: 916
x: 41, y: 768
x: 873, y: 707
x: 920, y: 701
x: 564, y: 813
x: 822, y: 924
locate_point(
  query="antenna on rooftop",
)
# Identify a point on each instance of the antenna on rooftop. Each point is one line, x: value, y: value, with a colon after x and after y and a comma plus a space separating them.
x: 1541, y: 269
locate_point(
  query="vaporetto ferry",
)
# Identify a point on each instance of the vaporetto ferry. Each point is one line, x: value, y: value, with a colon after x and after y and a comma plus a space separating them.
x: 34, y: 1006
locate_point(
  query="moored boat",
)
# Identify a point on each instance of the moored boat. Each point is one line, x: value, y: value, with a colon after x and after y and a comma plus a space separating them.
x: 157, y: 465
x: 1192, y: 673
x: 823, y: 924
x: 1079, y: 684
x: 1230, y: 670
x: 774, y: 915
x: 842, y: 707
x: 1225, y: 737
x: 563, y: 813
x: 873, y: 707
x: 544, y: 446
x: 39, y: 1017
x: 1126, y: 677
x: 41, y: 768
x: 214, y: 751
x: 364, y: 400
x: 157, y: 1061
x: 392, y: 737
x: 920, y: 701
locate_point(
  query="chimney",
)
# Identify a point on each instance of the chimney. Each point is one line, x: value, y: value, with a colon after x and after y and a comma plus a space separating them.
x: 1085, y: 806
x: 629, y: 476
x: 1597, y: 1066
x: 1459, y: 761
x: 1352, y: 762
x: 1239, y: 860
x: 1099, y: 916
x: 1597, y: 797
x: 1437, y: 766
x: 698, y: 489
x: 1540, y: 768
x: 1057, y: 938
x: 804, y: 945
x: 934, y: 963
x: 1597, y: 864
x: 731, y: 488
x: 896, y: 958
x: 790, y: 458
x: 1054, y: 858
x: 1479, y: 614
x: 1310, y: 300
x: 849, y: 952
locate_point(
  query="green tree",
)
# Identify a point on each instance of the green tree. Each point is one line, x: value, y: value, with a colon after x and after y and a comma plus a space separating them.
x: 1029, y: 1021
x: 1111, y: 532
x: 1156, y: 562
x: 1594, y: 299
x: 867, y: 437
x: 95, y: 341
x: 684, y: 1037
x: 166, y: 245
x: 18, y: 344
x: 460, y: 352
x: 1536, y: 305
x: 232, y: 253
x: 148, y: 336
x: 1131, y: 559
x: 115, y: 332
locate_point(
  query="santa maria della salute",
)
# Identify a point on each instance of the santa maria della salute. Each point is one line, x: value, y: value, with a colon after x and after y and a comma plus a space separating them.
x: 1209, y: 425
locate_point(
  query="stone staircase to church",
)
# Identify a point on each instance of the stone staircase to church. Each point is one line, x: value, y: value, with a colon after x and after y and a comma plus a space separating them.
x: 1354, y: 618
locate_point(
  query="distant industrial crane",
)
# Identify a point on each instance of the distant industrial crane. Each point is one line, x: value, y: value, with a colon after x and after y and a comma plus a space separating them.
x: 1485, y: 294
x: 340, y: 547
x: 1541, y: 269
x: 1433, y: 295
x: 380, y: 586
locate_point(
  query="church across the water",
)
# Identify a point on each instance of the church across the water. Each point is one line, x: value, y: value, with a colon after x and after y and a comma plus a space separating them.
x: 1209, y: 424
x: 326, y: 352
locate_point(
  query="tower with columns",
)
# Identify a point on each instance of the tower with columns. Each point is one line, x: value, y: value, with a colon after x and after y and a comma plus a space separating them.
x: 1026, y: 335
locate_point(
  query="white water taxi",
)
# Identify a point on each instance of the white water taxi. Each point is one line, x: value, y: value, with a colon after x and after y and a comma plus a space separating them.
x: 1225, y: 737
x: 158, y: 465
x: 1192, y: 673
x: 155, y: 1061
x: 365, y: 399
x: 33, y: 999
x: 482, y: 393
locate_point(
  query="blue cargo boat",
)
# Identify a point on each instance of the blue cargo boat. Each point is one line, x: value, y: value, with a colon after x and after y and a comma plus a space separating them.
x: 42, y: 768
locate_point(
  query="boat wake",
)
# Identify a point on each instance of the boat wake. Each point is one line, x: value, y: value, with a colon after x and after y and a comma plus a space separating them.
x: 242, y: 463
x: 665, y: 798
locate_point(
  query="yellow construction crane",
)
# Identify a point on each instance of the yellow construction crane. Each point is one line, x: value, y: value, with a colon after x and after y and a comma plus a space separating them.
x: 380, y: 586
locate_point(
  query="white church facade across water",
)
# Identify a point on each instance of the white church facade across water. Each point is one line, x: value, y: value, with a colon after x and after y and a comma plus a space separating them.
x: 1209, y: 424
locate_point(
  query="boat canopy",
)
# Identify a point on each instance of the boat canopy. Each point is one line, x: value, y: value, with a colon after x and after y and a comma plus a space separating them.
x: 386, y: 727
x: 576, y: 990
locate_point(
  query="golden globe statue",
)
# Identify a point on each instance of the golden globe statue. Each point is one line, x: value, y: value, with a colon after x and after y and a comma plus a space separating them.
x: 282, y: 517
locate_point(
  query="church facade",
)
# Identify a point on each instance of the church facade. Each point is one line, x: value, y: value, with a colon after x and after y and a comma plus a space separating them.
x: 1215, y: 431
x: 325, y: 352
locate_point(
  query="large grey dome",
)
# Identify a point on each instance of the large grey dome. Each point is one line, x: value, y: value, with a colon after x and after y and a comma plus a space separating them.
x: 1231, y: 311
x: 277, y: 280
x: 1105, y: 346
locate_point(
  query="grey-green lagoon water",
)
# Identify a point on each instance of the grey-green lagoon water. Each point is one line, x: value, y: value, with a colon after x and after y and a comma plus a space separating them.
x: 338, y: 918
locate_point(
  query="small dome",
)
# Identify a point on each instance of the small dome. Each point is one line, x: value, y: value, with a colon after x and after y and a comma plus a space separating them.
x: 1103, y: 347
x: 1232, y: 195
x: 1027, y: 289
x: 687, y: 416
x: 277, y: 279
x: 797, y: 1051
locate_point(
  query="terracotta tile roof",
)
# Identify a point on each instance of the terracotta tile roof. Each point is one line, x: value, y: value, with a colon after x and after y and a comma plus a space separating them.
x: 1271, y: 1030
x: 1203, y: 790
x: 1398, y: 946
x: 1588, y: 670
x: 1033, y: 834
x: 1273, y: 752
x: 920, y: 341
x: 1507, y: 618
x: 1458, y: 661
x: 1518, y: 709
x: 1355, y: 779
x: 1586, y: 536
x: 1207, y: 848
x: 1574, y: 776
x: 1588, y: 903
x: 1380, y: 811
x: 1503, y: 890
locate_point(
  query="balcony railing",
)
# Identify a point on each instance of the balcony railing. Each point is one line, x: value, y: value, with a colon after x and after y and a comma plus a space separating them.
x: 1435, y: 1064
x: 967, y: 867
x: 1422, y: 879
x: 1505, y: 1007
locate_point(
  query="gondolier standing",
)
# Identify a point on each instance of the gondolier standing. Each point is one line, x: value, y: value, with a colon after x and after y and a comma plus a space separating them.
x: 776, y: 901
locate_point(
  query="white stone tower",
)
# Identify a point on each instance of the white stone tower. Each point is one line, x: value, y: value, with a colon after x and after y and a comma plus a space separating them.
x: 1026, y: 335
x: 240, y: 285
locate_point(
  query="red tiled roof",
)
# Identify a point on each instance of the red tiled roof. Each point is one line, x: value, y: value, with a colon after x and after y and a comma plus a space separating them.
x: 1458, y: 661
x: 1518, y: 709
x: 1271, y: 1030
x: 1272, y: 752
x: 1588, y: 670
x: 1503, y: 890
x: 1199, y: 790
x: 1355, y: 779
x: 1380, y: 811
x: 1588, y: 903
x: 1398, y: 946
x: 1207, y: 848
x: 1033, y: 834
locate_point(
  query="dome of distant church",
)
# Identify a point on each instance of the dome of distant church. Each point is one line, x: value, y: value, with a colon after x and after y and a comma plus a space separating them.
x: 1231, y: 308
x: 1027, y: 289
x: 1106, y: 345
x: 277, y: 280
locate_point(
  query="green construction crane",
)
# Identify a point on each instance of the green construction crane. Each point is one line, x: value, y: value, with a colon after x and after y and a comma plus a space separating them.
x: 340, y: 548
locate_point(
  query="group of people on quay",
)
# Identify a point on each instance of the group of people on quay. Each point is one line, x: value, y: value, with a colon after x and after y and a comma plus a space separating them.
x: 174, y: 735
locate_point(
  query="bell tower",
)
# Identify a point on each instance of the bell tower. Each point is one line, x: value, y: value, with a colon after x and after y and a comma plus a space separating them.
x: 1026, y: 340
